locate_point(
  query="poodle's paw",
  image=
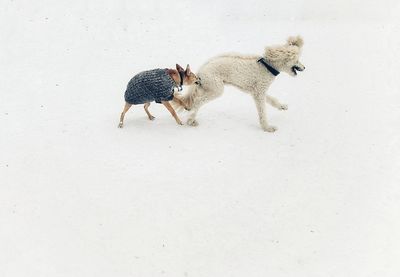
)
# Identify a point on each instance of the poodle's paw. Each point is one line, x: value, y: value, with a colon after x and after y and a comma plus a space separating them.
x: 270, y: 129
x: 120, y: 125
x: 179, y: 122
x: 282, y: 107
x: 151, y: 117
x: 192, y: 122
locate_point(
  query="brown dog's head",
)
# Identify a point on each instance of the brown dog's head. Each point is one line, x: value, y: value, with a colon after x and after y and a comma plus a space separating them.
x: 189, y: 78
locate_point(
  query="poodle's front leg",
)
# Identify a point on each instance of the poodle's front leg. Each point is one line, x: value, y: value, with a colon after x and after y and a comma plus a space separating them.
x: 260, y: 104
x: 275, y: 103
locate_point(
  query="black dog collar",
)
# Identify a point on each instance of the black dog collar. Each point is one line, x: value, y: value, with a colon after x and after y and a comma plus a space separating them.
x: 270, y: 68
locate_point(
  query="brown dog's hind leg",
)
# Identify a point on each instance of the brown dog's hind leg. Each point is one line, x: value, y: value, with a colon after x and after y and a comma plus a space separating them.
x: 121, y: 119
x: 146, y: 106
x: 172, y: 111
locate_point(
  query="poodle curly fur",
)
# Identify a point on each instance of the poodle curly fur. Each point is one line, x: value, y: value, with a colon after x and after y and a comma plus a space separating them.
x: 248, y: 75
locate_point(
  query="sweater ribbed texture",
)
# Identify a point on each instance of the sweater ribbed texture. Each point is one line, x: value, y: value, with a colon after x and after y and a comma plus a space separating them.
x: 151, y: 85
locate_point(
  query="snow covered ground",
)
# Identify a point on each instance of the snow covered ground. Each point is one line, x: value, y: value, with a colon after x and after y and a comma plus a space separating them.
x: 80, y: 197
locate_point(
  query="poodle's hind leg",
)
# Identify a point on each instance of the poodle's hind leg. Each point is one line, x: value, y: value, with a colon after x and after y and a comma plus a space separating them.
x: 275, y: 103
x: 260, y: 104
x: 146, y: 109
x: 192, y: 117
x: 121, y: 118
x: 204, y: 97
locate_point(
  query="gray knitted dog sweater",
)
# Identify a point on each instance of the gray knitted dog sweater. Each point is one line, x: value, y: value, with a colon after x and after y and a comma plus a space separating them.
x: 151, y: 85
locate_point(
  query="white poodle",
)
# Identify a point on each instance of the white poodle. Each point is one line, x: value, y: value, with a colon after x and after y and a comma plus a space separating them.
x: 251, y: 74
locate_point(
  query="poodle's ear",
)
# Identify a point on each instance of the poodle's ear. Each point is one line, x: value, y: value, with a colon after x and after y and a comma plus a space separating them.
x: 274, y: 53
x: 281, y: 53
x: 179, y: 68
x: 295, y: 41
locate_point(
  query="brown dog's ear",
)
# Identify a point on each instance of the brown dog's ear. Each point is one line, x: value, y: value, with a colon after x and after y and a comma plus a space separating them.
x: 187, y: 71
x: 179, y: 68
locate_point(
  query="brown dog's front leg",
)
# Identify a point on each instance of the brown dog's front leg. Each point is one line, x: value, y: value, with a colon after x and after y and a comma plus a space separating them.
x: 180, y: 102
x: 172, y: 111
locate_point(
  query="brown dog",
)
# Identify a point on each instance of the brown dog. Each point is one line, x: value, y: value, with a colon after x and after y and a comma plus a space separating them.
x: 157, y: 85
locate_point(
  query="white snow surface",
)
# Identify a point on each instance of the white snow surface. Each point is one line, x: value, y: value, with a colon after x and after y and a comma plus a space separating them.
x: 80, y: 197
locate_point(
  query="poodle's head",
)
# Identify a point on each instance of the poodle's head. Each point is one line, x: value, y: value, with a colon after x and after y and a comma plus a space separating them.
x: 286, y: 57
